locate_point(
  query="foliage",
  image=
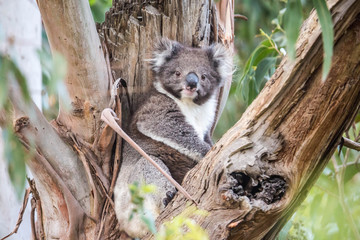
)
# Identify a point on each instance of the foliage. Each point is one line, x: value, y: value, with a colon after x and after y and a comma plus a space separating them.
x: 10, y: 70
x: 138, y: 193
x: 13, y: 150
x: 259, y: 67
x: 292, y: 22
x: 327, y: 34
x: 15, y: 156
x: 182, y: 227
x: 53, y: 69
x: 265, y: 58
x: 98, y: 9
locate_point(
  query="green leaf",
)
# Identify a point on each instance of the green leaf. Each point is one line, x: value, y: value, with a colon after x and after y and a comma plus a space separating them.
x: 20, y: 78
x: 4, y: 67
x: 92, y: 2
x: 246, y: 84
x: 351, y: 171
x: 292, y: 23
x: 283, y: 234
x: 99, y: 8
x: 15, y: 155
x: 149, y: 222
x: 252, y: 91
x: 148, y: 188
x: 262, y: 70
x: 327, y: 34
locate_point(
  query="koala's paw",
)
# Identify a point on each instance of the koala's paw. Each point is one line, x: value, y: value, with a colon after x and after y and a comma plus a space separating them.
x: 169, y: 196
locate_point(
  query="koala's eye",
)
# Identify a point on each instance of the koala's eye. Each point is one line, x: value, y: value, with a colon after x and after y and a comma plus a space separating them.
x: 177, y: 73
x: 203, y: 77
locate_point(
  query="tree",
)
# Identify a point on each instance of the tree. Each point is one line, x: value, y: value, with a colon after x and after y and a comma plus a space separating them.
x: 22, y: 47
x: 252, y: 179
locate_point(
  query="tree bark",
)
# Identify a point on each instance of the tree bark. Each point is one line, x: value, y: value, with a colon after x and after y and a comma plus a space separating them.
x: 71, y: 31
x: 252, y: 179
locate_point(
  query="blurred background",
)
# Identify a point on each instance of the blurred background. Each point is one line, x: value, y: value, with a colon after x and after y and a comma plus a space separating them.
x: 331, y: 209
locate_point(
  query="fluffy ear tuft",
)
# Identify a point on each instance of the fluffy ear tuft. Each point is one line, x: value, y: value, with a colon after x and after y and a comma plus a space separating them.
x: 222, y: 60
x: 164, y: 50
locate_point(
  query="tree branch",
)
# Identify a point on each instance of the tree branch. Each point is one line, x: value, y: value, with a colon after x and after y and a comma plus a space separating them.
x: 32, y: 127
x: 224, y: 22
x: 262, y: 168
x: 71, y: 31
x: 351, y: 144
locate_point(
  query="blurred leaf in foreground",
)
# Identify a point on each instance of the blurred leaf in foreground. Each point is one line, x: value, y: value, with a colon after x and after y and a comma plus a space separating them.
x: 327, y: 34
x: 15, y: 156
x: 292, y: 23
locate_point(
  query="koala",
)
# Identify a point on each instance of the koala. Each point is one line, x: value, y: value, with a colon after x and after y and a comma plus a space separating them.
x: 172, y: 125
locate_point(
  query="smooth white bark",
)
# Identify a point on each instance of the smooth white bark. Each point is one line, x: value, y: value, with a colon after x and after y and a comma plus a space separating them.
x: 20, y: 37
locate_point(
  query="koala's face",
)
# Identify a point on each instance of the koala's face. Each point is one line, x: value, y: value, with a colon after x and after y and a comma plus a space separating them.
x: 190, y: 73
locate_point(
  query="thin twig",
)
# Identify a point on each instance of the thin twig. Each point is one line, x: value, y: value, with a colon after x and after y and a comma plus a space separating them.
x: 36, y: 198
x: 326, y: 191
x: 21, y: 214
x: 32, y: 218
x: 351, y: 144
x: 240, y: 16
x: 356, y: 162
x: 109, y: 117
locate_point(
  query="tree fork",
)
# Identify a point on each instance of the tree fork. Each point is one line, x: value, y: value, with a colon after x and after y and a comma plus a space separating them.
x: 258, y: 173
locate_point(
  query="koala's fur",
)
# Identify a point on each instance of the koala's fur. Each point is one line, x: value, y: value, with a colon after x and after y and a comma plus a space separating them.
x: 173, y: 125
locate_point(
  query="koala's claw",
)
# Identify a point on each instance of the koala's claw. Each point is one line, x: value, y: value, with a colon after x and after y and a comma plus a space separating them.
x: 169, y: 196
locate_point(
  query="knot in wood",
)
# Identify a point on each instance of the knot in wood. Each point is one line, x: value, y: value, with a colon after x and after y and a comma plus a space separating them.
x: 20, y: 123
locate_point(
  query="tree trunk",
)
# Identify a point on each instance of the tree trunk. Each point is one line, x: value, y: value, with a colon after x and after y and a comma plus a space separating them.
x: 20, y: 38
x: 252, y: 179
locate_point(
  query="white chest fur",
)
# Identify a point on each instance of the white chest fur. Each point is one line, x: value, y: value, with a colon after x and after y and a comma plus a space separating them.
x: 200, y: 117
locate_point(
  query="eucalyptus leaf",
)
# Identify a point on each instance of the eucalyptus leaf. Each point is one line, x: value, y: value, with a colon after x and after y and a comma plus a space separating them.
x: 283, y: 234
x: 149, y: 222
x: 245, y: 86
x: 351, y: 171
x: 15, y: 156
x: 292, y: 23
x: 327, y: 34
x: 20, y: 78
x: 264, y: 50
x: 263, y: 68
x: 4, y: 67
x: 252, y: 91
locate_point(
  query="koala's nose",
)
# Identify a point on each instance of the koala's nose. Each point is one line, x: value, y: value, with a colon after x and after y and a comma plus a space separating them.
x: 191, y: 81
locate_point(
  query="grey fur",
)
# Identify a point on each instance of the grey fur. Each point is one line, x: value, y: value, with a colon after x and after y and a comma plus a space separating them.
x: 171, y: 126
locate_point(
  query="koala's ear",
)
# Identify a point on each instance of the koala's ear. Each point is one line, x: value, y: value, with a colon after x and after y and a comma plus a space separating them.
x: 164, y: 50
x: 222, y: 60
